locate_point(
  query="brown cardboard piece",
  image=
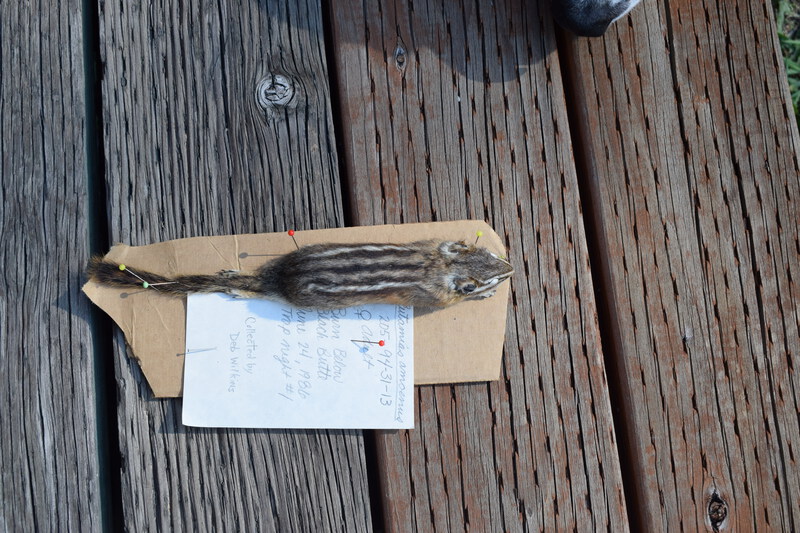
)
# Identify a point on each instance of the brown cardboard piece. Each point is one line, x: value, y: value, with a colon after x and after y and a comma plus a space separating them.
x: 458, y: 344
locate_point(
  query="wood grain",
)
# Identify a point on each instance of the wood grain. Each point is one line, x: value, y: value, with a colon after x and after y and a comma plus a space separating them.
x: 453, y: 111
x: 218, y: 121
x: 691, y: 160
x: 49, y: 452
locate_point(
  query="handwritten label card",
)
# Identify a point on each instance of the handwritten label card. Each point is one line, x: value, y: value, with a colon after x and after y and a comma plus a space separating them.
x: 260, y: 364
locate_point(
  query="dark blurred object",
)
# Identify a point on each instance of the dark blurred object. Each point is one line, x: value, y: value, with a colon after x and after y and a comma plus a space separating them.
x: 590, y: 18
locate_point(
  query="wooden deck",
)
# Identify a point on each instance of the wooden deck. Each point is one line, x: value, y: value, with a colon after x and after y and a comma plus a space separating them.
x: 646, y: 183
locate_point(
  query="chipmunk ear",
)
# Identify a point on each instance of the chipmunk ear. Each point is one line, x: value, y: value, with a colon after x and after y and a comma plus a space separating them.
x: 452, y: 248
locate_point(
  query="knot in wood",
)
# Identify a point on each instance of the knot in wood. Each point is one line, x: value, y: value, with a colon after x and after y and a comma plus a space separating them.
x: 717, y: 511
x: 276, y: 90
x: 400, y: 57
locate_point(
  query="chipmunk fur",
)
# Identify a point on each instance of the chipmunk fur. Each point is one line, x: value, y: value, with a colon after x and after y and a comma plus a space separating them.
x: 333, y: 276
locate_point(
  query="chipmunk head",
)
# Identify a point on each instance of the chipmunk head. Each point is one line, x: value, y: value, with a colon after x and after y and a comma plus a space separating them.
x: 473, y: 271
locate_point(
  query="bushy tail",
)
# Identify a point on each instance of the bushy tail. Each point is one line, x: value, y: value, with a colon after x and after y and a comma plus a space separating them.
x: 116, y: 275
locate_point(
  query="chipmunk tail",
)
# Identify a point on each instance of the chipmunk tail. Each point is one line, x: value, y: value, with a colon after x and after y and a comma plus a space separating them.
x: 116, y: 275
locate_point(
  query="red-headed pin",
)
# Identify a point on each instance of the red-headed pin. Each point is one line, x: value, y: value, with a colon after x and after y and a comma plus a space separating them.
x: 291, y: 234
x: 379, y: 343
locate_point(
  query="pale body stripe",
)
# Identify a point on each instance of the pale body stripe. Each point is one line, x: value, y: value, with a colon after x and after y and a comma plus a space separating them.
x: 379, y: 261
x: 361, y: 288
x: 361, y: 278
x: 359, y: 248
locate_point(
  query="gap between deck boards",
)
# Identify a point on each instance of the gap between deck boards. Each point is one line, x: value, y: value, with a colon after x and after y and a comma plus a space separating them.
x: 370, y: 445
x: 100, y: 324
x: 592, y: 228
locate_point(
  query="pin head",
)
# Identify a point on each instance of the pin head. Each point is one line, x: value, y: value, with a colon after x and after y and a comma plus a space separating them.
x: 122, y: 267
x: 381, y: 343
x: 291, y: 233
x: 145, y: 284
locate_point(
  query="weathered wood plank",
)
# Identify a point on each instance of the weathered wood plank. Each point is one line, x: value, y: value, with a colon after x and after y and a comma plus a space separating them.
x: 691, y: 159
x: 49, y: 455
x: 191, y: 152
x: 453, y: 111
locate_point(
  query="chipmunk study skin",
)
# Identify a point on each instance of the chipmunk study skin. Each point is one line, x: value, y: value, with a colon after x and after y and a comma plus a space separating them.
x: 333, y: 276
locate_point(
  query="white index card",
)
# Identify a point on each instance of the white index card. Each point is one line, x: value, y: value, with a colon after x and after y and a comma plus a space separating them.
x: 262, y: 364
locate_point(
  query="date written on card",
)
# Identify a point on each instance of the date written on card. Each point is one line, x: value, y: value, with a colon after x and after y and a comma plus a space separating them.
x: 261, y: 364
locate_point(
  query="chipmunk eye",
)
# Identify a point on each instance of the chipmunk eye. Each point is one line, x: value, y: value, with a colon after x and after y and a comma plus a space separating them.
x: 468, y: 288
